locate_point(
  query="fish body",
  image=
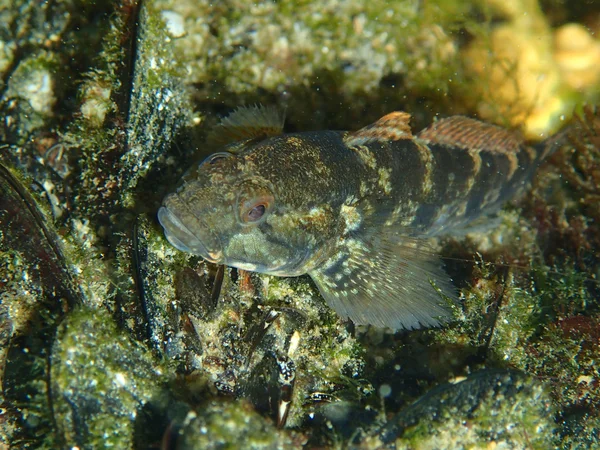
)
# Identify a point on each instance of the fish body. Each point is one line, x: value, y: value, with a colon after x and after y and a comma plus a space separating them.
x: 351, y: 209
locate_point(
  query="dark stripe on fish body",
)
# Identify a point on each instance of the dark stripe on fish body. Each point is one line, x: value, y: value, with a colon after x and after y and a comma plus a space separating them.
x: 406, y: 166
x: 452, y: 177
x: 526, y: 167
x: 452, y: 170
x: 488, y: 180
x: 527, y: 160
x: 481, y: 182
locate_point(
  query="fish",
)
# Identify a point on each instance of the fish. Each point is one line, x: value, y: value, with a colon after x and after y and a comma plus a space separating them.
x: 352, y: 209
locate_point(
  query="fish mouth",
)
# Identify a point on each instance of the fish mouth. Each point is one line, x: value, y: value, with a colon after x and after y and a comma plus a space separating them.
x: 201, y: 242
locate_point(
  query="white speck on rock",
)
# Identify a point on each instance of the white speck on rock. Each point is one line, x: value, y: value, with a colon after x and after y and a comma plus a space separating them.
x: 174, y: 22
x: 120, y: 379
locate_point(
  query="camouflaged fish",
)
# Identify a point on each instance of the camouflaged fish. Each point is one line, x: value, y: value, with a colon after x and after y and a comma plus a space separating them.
x: 351, y: 209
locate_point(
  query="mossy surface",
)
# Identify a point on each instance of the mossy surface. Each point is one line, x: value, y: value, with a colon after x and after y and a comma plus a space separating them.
x: 225, y: 424
x: 504, y: 409
x: 100, y: 380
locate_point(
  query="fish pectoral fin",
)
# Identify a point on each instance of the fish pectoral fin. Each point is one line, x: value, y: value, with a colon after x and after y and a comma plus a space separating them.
x: 395, y: 283
x: 391, y: 127
x: 249, y: 122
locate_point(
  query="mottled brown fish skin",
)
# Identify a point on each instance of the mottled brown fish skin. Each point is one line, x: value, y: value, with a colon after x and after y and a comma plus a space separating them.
x: 351, y: 209
x: 310, y: 174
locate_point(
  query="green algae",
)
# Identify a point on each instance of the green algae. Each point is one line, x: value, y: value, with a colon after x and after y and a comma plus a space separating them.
x: 142, y: 125
x: 320, y: 55
x: 506, y: 409
x: 101, y: 379
x: 40, y: 47
x: 340, y: 45
x: 223, y: 424
x: 539, y: 323
x: 37, y: 288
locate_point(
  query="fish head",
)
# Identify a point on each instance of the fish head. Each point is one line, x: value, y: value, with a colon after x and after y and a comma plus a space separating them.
x: 239, y: 210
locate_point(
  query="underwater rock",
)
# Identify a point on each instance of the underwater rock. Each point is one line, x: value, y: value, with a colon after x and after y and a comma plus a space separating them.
x: 158, y: 104
x: 370, y: 54
x: 33, y: 82
x: 148, y: 108
x: 175, y: 294
x: 231, y: 424
x: 499, y: 408
x: 566, y: 355
x: 101, y: 380
x: 40, y: 45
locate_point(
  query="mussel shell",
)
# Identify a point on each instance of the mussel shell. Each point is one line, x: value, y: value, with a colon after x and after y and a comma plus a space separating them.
x: 37, y: 290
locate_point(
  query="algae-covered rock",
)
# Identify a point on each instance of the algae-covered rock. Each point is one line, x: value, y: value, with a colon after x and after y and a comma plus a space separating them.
x: 499, y: 409
x: 101, y: 380
x: 226, y: 424
x: 357, y: 43
x: 316, y: 56
x: 33, y: 82
x: 40, y: 46
x: 141, y: 117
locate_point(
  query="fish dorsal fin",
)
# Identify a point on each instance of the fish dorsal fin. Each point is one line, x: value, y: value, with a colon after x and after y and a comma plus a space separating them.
x: 471, y: 134
x: 384, y: 278
x: 249, y: 122
x: 391, y: 127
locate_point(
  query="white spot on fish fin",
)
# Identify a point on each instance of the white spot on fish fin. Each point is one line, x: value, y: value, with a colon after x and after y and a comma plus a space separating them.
x: 391, y: 127
x: 249, y: 122
x: 387, y: 282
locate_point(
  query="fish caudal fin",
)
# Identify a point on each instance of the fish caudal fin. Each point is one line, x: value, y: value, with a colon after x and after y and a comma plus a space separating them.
x: 387, y: 282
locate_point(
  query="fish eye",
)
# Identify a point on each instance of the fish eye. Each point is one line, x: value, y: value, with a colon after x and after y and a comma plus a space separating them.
x: 253, y: 210
x: 255, y: 201
x: 212, y: 159
x: 256, y: 212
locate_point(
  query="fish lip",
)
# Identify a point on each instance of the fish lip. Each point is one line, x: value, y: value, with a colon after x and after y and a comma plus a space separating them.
x: 208, y: 245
